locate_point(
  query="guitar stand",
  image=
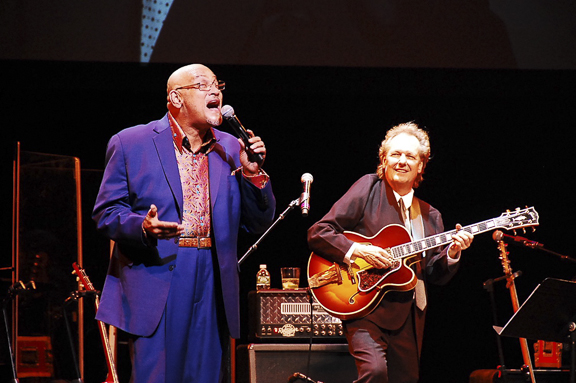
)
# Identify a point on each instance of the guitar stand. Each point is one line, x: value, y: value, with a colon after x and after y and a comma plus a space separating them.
x: 291, y: 206
x: 488, y: 285
x: 74, y: 295
x: 548, y: 314
x: 13, y: 290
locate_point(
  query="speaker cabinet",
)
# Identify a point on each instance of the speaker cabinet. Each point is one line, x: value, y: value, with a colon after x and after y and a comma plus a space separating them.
x: 275, y: 363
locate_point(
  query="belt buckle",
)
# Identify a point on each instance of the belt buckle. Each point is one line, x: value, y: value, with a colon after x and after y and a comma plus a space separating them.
x: 197, y: 242
x: 204, y: 242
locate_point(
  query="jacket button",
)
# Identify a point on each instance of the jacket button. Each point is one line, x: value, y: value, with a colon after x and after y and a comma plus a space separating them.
x: 172, y: 267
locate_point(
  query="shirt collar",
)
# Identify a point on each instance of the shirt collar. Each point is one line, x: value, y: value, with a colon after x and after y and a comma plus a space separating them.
x: 180, y: 138
x: 407, y: 198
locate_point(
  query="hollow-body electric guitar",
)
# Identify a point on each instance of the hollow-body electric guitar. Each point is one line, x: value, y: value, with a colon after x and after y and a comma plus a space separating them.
x: 351, y: 292
x: 112, y: 376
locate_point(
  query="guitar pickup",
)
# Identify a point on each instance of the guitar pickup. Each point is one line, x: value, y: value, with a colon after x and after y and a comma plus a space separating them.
x: 351, y: 273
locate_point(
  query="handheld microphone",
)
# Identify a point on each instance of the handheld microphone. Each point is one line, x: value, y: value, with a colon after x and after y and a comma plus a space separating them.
x: 299, y: 376
x: 228, y: 114
x: 305, y: 196
x: 499, y: 236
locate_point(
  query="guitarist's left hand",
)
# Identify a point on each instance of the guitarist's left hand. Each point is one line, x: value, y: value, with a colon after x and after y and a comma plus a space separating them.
x: 460, y: 241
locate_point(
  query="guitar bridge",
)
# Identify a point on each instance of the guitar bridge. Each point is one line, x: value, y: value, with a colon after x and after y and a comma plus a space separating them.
x: 331, y: 275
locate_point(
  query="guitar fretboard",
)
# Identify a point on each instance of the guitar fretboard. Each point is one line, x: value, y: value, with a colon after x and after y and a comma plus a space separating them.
x: 418, y: 246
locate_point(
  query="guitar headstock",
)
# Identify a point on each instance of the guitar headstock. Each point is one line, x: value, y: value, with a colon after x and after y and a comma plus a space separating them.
x: 83, y: 277
x: 519, y: 218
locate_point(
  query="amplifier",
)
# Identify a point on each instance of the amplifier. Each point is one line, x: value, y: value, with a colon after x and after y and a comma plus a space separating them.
x: 34, y: 357
x: 290, y: 315
x: 519, y: 376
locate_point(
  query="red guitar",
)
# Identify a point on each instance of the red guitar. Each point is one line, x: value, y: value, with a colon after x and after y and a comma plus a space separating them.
x: 353, y: 292
x: 112, y: 376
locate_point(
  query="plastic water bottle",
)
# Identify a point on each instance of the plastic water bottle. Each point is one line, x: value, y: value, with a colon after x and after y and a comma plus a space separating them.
x: 263, y: 278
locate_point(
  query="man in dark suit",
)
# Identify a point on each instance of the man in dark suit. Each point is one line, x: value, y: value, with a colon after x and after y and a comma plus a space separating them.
x: 174, y: 193
x: 386, y: 343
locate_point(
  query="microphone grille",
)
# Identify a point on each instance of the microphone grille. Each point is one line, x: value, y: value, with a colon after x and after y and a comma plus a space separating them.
x: 497, y: 235
x: 227, y: 111
x: 306, y: 177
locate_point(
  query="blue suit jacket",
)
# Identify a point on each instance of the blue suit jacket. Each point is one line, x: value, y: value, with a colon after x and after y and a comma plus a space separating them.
x: 141, y: 170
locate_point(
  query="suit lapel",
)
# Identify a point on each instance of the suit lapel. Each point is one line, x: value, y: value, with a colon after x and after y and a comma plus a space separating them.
x: 216, y: 170
x: 394, y: 215
x: 165, y: 149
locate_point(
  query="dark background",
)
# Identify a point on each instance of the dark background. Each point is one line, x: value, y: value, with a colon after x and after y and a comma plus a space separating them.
x: 492, y: 82
x: 500, y: 139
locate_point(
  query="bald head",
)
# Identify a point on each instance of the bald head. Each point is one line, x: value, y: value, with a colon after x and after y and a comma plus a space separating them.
x: 192, y: 107
x: 186, y: 75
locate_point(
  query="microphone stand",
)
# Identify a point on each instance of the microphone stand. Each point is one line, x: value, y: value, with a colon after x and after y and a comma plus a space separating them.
x: 539, y: 246
x: 9, y: 341
x: 561, y: 256
x: 291, y: 206
x: 13, y: 290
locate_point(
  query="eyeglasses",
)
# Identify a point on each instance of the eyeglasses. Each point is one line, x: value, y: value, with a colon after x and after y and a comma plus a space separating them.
x: 203, y: 86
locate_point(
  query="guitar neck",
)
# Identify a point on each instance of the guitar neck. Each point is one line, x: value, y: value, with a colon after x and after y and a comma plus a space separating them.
x: 112, y: 376
x: 418, y: 246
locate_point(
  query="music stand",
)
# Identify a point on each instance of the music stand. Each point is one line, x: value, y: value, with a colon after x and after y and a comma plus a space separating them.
x: 549, y: 314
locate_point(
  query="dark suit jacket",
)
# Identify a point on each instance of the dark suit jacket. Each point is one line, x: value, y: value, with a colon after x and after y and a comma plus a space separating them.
x: 142, y: 170
x: 367, y: 207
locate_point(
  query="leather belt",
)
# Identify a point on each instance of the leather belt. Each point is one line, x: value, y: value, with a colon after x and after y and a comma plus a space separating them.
x: 199, y: 242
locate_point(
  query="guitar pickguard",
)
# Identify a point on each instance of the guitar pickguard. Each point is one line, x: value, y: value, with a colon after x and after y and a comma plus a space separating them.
x: 371, y: 278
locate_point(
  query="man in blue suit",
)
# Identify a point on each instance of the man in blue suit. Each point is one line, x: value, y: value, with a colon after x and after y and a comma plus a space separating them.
x: 174, y: 194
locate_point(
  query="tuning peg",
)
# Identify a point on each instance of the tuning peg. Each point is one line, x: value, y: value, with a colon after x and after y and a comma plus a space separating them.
x: 514, y: 231
x: 524, y: 230
x: 533, y: 229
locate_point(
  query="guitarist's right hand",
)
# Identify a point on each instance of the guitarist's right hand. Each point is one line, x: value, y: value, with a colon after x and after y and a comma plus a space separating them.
x: 374, y: 255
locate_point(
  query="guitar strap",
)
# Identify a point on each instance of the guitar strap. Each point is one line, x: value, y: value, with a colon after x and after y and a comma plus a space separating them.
x: 417, y: 225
